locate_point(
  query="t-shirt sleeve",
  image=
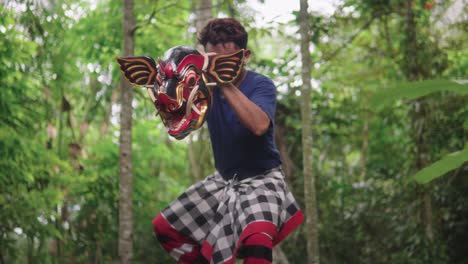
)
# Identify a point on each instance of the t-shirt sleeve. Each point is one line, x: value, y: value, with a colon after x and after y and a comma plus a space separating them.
x: 264, y: 95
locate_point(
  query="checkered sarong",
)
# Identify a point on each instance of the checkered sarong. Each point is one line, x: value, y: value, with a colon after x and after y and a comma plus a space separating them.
x: 220, y: 214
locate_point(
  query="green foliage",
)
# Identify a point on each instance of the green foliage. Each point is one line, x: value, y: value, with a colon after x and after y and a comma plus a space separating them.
x: 59, y: 129
x: 32, y: 176
x: 31, y: 182
x: 450, y: 162
x: 412, y: 90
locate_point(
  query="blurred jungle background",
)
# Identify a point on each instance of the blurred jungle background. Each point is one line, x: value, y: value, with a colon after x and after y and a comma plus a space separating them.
x: 371, y: 123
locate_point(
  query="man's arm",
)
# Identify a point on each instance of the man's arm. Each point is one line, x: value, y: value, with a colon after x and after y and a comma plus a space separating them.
x: 250, y: 115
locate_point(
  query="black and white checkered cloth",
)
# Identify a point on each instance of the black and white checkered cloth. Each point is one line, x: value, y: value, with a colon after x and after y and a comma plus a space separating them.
x: 218, y: 214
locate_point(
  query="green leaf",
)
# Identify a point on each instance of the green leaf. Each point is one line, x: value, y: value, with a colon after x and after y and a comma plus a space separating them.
x: 441, y: 167
x: 413, y: 90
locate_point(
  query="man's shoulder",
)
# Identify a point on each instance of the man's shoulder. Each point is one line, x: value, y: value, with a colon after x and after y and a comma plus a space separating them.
x: 260, y: 79
x: 258, y: 76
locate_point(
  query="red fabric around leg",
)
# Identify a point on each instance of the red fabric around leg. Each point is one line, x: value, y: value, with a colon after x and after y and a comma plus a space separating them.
x: 172, y: 241
x: 258, y: 249
x: 258, y: 239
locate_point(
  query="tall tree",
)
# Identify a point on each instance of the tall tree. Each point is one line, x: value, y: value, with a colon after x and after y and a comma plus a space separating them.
x: 125, y: 153
x: 203, y: 12
x: 307, y: 139
x: 198, y: 143
x: 415, y: 70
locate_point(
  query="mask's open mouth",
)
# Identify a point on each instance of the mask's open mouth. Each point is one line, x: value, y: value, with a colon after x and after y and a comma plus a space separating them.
x: 189, y: 117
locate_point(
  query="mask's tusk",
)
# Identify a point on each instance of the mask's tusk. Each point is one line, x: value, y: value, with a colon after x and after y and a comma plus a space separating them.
x: 205, y: 79
x: 194, y: 107
x: 206, y: 61
x: 190, y: 100
x: 153, y: 99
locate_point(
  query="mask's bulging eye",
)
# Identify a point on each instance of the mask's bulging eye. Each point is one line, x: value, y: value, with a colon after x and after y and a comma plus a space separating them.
x: 190, y: 78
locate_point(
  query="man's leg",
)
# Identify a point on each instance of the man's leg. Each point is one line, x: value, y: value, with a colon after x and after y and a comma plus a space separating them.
x: 257, y: 249
x: 182, y: 248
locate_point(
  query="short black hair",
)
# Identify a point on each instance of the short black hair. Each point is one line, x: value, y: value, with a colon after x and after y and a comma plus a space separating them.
x: 223, y: 30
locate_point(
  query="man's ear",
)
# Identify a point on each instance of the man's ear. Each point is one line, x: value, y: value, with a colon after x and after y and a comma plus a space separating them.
x: 247, y: 53
x: 138, y: 70
x: 225, y: 68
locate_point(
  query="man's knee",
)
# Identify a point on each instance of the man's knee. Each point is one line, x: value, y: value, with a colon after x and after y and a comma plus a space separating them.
x: 166, y: 233
x: 180, y: 247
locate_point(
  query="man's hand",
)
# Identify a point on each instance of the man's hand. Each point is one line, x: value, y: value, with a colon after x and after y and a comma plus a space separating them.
x: 250, y: 115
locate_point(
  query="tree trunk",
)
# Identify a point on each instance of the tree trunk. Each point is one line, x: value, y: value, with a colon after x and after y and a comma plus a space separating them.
x: 98, y: 254
x: 282, y: 144
x: 194, y: 158
x: 30, y: 243
x: 203, y: 13
x: 197, y: 148
x: 428, y: 215
x: 125, y: 152
x: 307, y: 140
x: 2, y: 260
x: 418, y: 109
x: 365, y: 144
x: 278, y: 256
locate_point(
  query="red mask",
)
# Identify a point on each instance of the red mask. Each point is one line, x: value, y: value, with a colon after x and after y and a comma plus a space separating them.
x: 178, y: 84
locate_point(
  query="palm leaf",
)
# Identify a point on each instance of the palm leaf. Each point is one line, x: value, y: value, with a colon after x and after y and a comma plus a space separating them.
x: 441, y: 167
x: 411, y: 90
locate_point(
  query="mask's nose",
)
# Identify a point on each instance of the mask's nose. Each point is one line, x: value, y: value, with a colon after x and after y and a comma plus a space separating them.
x: 168, y: 97
x: 169, y: 87
x: 167, y: 103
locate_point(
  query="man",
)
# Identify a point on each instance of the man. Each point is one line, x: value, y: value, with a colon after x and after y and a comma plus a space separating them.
x: 245, y: 207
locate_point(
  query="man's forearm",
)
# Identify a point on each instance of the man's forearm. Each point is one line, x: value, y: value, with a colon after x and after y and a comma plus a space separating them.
x: 250, y: 115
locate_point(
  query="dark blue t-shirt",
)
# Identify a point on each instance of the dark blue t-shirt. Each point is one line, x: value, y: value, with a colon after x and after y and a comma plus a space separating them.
x: 236, y: 149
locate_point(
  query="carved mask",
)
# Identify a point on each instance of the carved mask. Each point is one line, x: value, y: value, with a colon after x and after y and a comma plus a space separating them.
x: 178, y: 84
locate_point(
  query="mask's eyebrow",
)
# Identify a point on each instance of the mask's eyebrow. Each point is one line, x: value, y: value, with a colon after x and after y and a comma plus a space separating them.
x: 168, y: 70
x: 161, y: 68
